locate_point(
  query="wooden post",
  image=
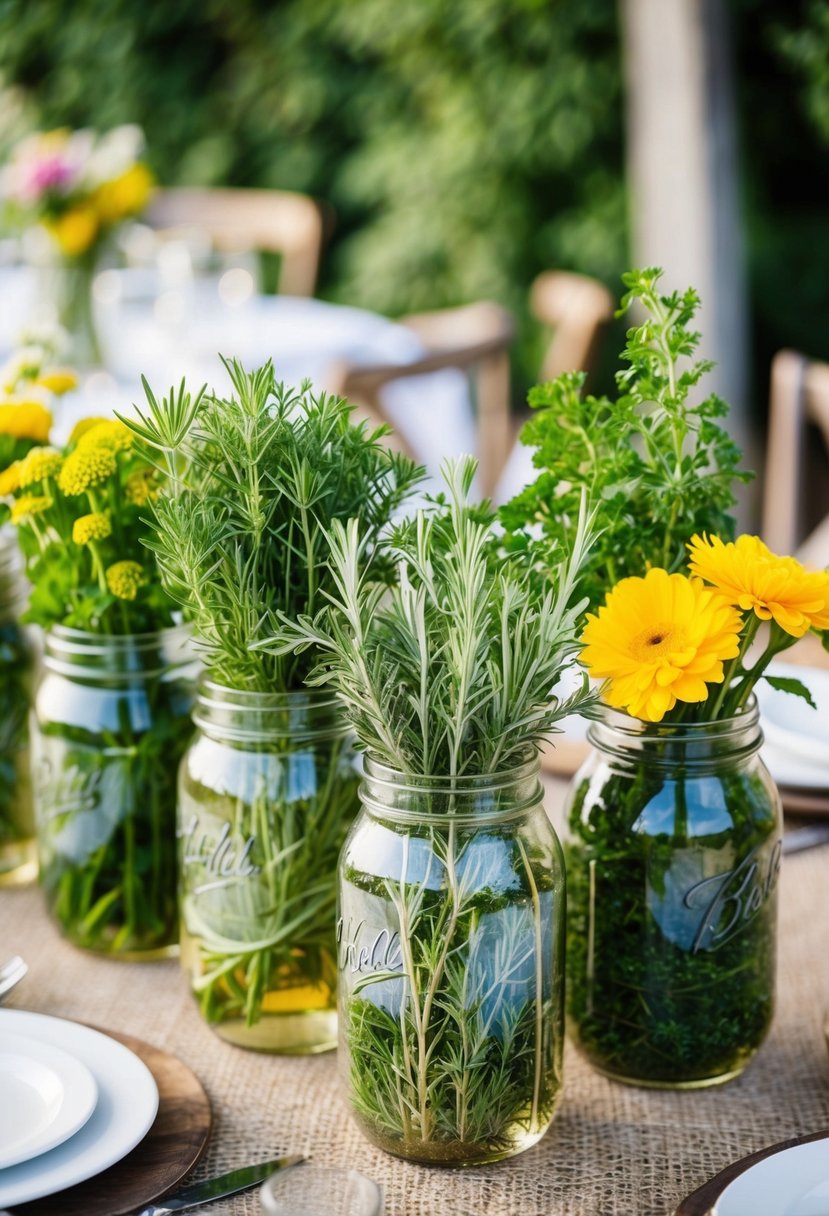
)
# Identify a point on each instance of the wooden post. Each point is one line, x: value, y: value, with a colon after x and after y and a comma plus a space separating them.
x: 682, y: 165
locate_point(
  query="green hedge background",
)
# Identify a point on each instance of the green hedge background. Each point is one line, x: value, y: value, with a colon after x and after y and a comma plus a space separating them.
x: 464, y: 145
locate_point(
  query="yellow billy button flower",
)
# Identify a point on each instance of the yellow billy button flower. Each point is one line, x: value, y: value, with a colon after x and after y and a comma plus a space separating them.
x: 85, y: 468
x: 38, y: 464
x: 83, y: 427
x: 28, y: 505
x: 658, y: 640
x: 57, y: 380
x: 141, y: 487
x: 95, y: 526
x: 124, y: 579
x: 10, y: 479
x: 753, y: 578
x: 25, y: 420
x: 108, y: 433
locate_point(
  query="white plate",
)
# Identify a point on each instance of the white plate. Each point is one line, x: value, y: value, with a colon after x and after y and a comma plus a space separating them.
x: 48, y: 1095
x: 796, y: 750
x: 127, y: 1105
x: 793, y: 1182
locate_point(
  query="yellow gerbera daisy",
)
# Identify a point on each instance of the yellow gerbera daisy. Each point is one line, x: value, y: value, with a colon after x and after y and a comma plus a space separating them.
x: 86, y: 467
x: 749, y: 575
x: 26, y: 420
x: 124, y: 579
x: 57, y: 380
x: 658, y: 640
x: 83, y: 426
x: 10, y: 479
x: 28, y: 505
x: 38, y: 464
x: 95, y: 526
x: 109, y: 433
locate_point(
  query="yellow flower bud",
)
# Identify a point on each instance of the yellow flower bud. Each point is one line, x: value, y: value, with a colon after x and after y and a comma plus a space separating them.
x: 38, y: 464
x: 124, y: 579
x: 95, y: 526
x: 10, y: 479
x: 85, y: 468
x: 28, y: 505
x: 25, y: 420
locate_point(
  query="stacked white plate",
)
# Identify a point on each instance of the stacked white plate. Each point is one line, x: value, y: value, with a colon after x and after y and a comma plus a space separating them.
x: 72, y: 1103
x: 791, y: 1182
x: 796, y: 750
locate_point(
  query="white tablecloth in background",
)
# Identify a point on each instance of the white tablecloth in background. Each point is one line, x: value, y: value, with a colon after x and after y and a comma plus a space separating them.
x: 181, y: 331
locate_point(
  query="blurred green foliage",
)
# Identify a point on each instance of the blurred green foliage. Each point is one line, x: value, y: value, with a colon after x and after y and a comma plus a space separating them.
x: 465, y: 145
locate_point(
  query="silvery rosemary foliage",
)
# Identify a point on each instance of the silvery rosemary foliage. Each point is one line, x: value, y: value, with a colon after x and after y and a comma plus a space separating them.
x: 450, y: 671
x: 256, y: 480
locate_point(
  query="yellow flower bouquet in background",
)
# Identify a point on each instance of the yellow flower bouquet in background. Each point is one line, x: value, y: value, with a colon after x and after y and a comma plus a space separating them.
x: 76, y: 187
x: 111, y: 711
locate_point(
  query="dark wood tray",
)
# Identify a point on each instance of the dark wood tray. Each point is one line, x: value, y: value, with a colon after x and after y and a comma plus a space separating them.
x: 171, y: 1148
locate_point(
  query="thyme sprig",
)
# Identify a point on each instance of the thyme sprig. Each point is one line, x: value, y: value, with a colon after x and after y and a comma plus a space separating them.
x: 451, y: 670
x: 656, y: 459
x: 256, y: 480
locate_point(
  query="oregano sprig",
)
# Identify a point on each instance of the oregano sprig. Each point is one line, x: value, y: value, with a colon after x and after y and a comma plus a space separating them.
x: 655, y: 461
x: 253, y: 482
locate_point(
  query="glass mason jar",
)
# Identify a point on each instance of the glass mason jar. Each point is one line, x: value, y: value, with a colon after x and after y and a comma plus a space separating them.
x: 18, y: 854
x: 672, y: 861
x: 66, y: 284
x: 451, y: 945
x: 110, y: 723
x: 267, y: 792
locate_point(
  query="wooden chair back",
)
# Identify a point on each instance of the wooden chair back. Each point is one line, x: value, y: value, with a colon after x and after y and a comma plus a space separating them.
x: 237, y: 220
x: 796, y: 489
x: 475, y: 339
x: 575, y: 308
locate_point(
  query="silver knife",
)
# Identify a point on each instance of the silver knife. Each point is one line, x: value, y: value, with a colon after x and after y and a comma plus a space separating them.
x: 218, y: 1188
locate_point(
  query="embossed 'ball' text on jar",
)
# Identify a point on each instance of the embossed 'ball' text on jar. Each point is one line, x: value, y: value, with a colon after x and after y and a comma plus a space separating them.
x: 267, y: 792
x: 451, y: 944
x: 673, y: 852
x: 110, y: 722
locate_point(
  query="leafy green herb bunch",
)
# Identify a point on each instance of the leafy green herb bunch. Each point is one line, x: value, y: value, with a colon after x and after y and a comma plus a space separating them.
x: 78, y: 513
x: 655, y: 462
x: 450, y: 671
x: 255, y: 480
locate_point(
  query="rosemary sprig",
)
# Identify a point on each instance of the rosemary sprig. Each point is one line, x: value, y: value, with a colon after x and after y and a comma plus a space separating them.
x: 449, y: 672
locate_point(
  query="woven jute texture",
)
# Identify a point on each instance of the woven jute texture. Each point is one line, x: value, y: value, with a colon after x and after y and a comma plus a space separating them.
x: 612, y: 1150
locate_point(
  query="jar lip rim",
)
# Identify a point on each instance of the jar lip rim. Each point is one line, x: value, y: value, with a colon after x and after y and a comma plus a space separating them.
x: 619, y: 719
x: 384, y: 774
x: 316, y: 698
x: 69, y: 635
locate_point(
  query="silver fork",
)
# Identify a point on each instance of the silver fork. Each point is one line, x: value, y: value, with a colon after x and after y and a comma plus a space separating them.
x: 11, y: 973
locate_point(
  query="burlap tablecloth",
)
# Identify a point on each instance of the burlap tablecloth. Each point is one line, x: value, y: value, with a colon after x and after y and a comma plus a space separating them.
x: 612, y: 1150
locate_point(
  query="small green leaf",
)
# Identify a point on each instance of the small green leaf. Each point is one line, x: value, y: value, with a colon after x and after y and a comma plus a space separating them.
x: 790, y: 685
